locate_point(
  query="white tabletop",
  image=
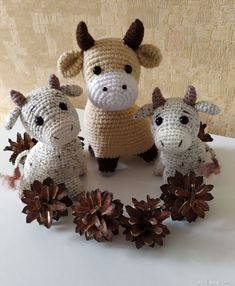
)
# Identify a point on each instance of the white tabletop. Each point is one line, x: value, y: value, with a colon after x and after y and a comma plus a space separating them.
x: 200, y: 253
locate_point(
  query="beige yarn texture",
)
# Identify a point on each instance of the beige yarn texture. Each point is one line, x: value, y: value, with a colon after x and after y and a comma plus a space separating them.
x: 113, y: 140
x: 196, y: 38
x: 109, y: 123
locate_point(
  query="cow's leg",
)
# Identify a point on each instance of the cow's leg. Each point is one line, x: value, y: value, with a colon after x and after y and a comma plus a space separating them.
x: 23, y: 185
x: 168, y: 172
x: 150, y: 155
x: 158, y: 167
x: 107, y: 166
x: 74, y: 187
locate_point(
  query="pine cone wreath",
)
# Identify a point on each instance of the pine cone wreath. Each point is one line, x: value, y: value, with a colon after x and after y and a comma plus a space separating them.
x: 186, y: 196
x: 97, y: 215
x: 21, y: 144
x: 205, y: 137
x: 144, y: 226
x: 45, y: 201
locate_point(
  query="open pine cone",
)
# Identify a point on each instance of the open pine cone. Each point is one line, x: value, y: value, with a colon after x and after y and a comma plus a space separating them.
x: 21, y: 144
x: 205, y: 137
x: 144, y: 226
x: 45, y: 201
x: 97, y: 215
x: 186, y: 196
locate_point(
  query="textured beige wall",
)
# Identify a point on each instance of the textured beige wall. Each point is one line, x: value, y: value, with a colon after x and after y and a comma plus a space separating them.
x: 196, y: 38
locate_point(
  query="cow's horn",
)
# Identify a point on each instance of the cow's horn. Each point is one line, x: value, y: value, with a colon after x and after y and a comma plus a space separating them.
x: 18, y: 98
x: 134, y: 35
x: 54, y: 82
x: 84, y: 39
x: 157, y: 98
x: 190, y: 96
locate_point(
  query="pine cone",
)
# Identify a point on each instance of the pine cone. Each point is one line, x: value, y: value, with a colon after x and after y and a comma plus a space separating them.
x: 144, y: 225
x: 205, y: 137
x: 21, y: 144
x: 45, y: 201
x: 97, y: 215
x: 186, y: 196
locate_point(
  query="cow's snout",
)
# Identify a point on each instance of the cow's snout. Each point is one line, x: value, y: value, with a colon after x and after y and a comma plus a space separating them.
x: 113, y: 91
x: 123, y: 87
x: 173, y: 141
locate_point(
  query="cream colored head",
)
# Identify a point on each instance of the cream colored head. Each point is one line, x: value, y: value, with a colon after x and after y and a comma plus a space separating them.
x: 47, y: 113
x: 175, y: 121
x: 111, y: 67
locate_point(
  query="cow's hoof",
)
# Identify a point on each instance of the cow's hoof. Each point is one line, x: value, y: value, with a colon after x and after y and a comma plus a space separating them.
x: 107, y: 165
x: 150, y: 155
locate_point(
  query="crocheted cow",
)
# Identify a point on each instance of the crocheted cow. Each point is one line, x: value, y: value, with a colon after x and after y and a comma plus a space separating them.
x: 49, y: 117
x: 111, y: 69
x: 175, y: 127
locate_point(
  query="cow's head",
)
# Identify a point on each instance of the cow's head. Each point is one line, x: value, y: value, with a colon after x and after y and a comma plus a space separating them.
x: 175, y: 121
x: 46, y: 113
x: 111, y: 67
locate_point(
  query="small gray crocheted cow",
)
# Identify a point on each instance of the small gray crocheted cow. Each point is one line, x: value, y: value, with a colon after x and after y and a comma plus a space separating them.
x: 175, y: 126
x: 49, y: 117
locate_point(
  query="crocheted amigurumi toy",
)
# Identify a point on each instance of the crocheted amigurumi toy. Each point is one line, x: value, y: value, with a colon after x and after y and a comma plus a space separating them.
x: 49, y: 117
x: 175, y: 127
x: 111, y: 69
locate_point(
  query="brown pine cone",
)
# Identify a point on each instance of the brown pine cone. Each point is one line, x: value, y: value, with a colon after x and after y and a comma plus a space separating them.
x: 21, y: 144
x: 144, y: 225
x: 45, y: 201
x: 186, y: 196
x: 205, y: 137
x: 97, y: 215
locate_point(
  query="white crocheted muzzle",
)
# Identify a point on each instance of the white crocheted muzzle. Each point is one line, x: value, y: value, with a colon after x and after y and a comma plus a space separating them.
x: 113, y: 91
x: 176, y: 140
x: 175, y: 126
x: 63, y: 131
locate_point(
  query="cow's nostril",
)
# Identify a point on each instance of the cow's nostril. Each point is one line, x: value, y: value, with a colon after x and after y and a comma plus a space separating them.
x: 105, y: 88
x: 124, y: 86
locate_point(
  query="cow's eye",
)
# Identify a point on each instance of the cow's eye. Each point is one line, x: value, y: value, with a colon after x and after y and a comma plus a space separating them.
x: 159, y: 120
x: 63, y: 106
x: 97, y: 70
x: 184, y: 119
x: 39, y: 120
x: 128, y: 69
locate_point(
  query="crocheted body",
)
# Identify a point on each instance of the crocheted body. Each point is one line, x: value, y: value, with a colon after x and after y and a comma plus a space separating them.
x: 112, y: 134
x: 111, y: 69
x: 63, y: 164
x: 189, y: 160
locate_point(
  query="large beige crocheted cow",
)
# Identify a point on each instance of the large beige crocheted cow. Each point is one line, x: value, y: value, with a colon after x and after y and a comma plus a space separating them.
x: 111, y: 69
x: 48, y: 116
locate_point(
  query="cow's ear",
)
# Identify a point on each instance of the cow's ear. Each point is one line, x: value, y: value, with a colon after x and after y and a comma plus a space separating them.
x: 12, y: 118
x: 149, y: 56
x: 207, y: 107
x: 71, y: 90
x: 70, y: 63
x: 144, y: 111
